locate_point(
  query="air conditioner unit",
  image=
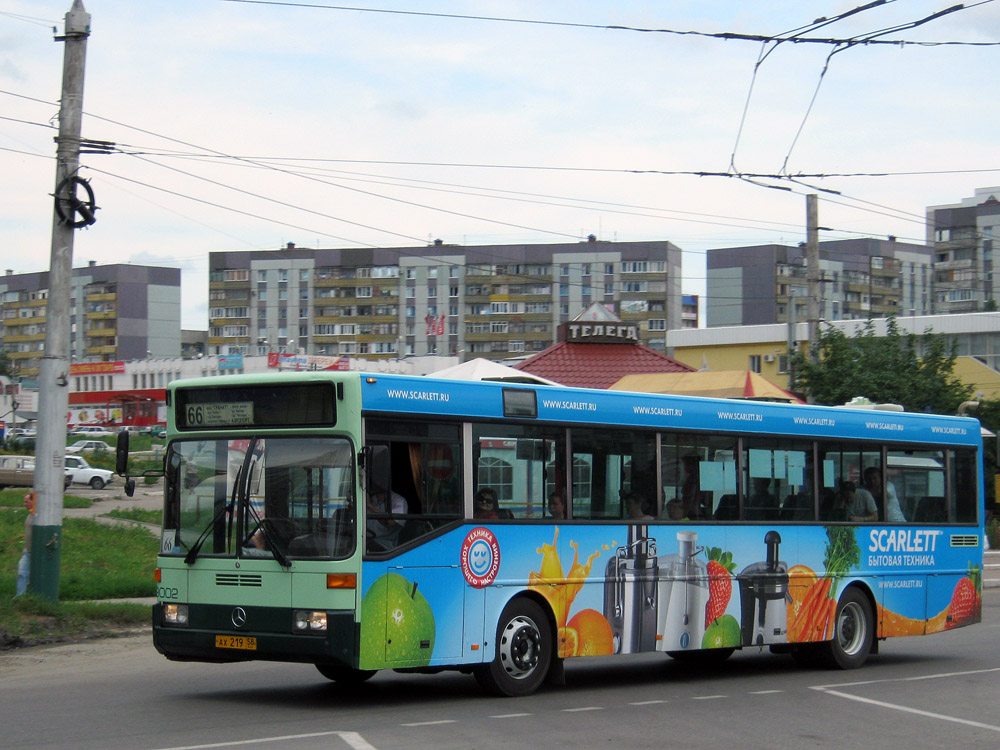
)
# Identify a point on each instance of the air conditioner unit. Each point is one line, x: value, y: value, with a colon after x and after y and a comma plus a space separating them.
x: 769, y: 358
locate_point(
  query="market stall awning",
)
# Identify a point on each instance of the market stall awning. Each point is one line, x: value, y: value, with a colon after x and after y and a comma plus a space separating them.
x: 744, y: 384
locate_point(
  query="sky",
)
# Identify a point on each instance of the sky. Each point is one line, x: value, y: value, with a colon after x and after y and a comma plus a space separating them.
x: 243, y: 125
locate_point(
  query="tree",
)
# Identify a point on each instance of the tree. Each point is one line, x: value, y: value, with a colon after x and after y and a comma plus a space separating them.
x: 915, y: 371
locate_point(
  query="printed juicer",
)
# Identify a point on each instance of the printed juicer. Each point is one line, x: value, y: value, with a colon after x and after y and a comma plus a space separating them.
x: 630, y: 593
x: 764, y: 597
x: 683, y: 594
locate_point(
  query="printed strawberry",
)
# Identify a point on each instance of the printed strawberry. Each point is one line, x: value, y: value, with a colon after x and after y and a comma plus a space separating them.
x: 965, y: 598
x: 720, y: 583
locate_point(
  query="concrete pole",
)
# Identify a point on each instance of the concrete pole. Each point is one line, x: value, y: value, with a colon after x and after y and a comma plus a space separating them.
x: 791, y: 335
x: 46, y: 536
x: 812, y: 275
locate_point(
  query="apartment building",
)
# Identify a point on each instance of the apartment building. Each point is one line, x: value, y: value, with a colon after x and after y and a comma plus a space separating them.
x: 962, y: 236
x: 859, y: 278
x: 117, y: 312
x: 491, y: 301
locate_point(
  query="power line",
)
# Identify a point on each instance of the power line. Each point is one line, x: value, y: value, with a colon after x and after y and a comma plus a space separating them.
x: 725, y: 35
x: 854, y: 41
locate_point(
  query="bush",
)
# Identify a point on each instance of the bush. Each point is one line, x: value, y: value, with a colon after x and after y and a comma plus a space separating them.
x: 993, y: 533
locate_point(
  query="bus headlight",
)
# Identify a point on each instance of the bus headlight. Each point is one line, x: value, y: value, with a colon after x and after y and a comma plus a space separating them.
x: 305, y: 620
x: 175, y: 614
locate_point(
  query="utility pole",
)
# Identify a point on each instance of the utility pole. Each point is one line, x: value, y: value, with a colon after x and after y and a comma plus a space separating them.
x: 46, y: 536
x: 791, y: 335
x: 812, y: 275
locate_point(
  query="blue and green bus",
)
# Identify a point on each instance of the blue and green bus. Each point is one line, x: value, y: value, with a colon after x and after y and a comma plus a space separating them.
x: 364, y: 522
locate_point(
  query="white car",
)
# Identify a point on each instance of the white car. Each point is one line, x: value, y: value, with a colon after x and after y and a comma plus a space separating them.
x: 78, y: 471
x: 88, y: 446
x: 91, y: 431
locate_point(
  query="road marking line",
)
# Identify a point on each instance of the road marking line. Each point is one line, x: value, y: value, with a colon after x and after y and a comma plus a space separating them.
x: 646, y: 703
x: 906, y: 679
x: 356, y: 741
x: 430, y: 723
x: 706, y: 697
x: 919, y: 712
x: 353, y: 739
x: 765, y: 692
x: 584, y: 708
x: 508, y: 716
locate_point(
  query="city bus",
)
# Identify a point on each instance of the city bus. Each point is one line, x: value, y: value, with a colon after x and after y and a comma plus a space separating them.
x: 362, y: 522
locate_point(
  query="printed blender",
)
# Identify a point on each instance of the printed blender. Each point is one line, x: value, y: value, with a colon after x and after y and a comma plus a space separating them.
x: 764, y: 597
x: 630, y: 594
x: 683, y: 595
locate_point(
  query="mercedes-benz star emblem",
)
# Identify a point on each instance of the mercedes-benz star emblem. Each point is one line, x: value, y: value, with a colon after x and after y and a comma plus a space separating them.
x: 239, y: 617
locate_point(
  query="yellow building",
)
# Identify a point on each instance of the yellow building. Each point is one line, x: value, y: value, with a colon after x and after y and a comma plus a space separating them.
x: 763, y: 349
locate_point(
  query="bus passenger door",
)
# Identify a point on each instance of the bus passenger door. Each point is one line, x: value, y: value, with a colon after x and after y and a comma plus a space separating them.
x: 425, y: 615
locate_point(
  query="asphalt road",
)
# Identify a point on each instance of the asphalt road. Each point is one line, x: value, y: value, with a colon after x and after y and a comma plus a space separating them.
x: 924, y: 692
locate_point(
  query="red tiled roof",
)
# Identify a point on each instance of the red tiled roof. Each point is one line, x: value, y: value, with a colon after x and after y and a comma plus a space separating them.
x: 598, y: 365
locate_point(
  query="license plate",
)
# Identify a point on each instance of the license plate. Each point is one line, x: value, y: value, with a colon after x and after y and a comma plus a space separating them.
x: 244, y: 642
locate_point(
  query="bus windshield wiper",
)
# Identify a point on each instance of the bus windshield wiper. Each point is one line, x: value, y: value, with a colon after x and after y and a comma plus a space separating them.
x: 261, y: 523
x: 189, y: 558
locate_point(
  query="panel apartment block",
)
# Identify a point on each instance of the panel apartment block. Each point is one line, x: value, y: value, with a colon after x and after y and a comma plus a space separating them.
x: 491, y: 301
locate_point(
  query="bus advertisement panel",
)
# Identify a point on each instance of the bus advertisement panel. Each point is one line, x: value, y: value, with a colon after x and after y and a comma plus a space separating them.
x: 361, y: 522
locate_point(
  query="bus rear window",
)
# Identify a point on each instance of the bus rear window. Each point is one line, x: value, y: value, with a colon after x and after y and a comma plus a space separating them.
x: 278, y: 405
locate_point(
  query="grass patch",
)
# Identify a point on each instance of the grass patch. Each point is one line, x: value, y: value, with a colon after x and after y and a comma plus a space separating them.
x: 96, y: 561
x: 28, y: 620
x: 137, y: 514
x: 15, y: 499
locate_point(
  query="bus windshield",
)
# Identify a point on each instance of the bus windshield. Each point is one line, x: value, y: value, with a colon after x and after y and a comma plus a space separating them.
x: 257, y: 497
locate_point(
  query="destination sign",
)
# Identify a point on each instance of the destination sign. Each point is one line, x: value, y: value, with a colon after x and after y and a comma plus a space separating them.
x: 222, y: 414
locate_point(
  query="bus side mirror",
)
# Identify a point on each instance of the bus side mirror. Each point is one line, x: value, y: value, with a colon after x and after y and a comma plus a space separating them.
x: 130, y: 486
x: 378, y: 470
x: 121, y: 454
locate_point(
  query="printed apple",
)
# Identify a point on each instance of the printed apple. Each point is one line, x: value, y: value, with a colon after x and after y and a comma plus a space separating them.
x: 395, y: 620
x: 724, y: 632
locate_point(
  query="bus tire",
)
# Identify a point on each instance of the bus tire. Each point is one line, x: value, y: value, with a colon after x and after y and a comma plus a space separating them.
x: 853, y: 631
x: 345, y: 675
x: 522, y: 652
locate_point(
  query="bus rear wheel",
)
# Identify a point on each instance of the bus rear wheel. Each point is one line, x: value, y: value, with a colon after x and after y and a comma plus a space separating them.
x: 345, y: 675
x: 853, y: 632
x: 522, y: 651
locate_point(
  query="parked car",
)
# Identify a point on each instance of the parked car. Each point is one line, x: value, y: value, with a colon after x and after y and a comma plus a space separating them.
x: 80, y: 472
x: 92, y: 431
x: 156, y: 430
x: 18, y: 471
x: 88, y: 446
x: 22, y: 443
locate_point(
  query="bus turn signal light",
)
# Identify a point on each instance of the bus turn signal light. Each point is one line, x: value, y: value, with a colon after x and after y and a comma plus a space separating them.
x: 341, y: 580
x: 156, y: 575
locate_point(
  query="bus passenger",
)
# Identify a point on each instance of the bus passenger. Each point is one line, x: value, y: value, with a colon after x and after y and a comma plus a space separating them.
x: 486, y: 506
x: 861, y: 505
x: 383, y: 533
x: 557, y: 506
x: 636, y: 506
x: 835, y: 505
x: 873, y: 484
x: 762, y: 505
x: 692, y: 497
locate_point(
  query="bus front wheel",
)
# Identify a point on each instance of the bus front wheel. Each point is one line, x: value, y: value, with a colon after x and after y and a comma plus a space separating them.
x: 853, y: 632
x: 522, y: 651
x: 345, y: 675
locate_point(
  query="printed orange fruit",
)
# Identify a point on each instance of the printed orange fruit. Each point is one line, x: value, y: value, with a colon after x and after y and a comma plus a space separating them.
x: 594, y: 636
x: 568, y: 642
x: 800, y: 579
